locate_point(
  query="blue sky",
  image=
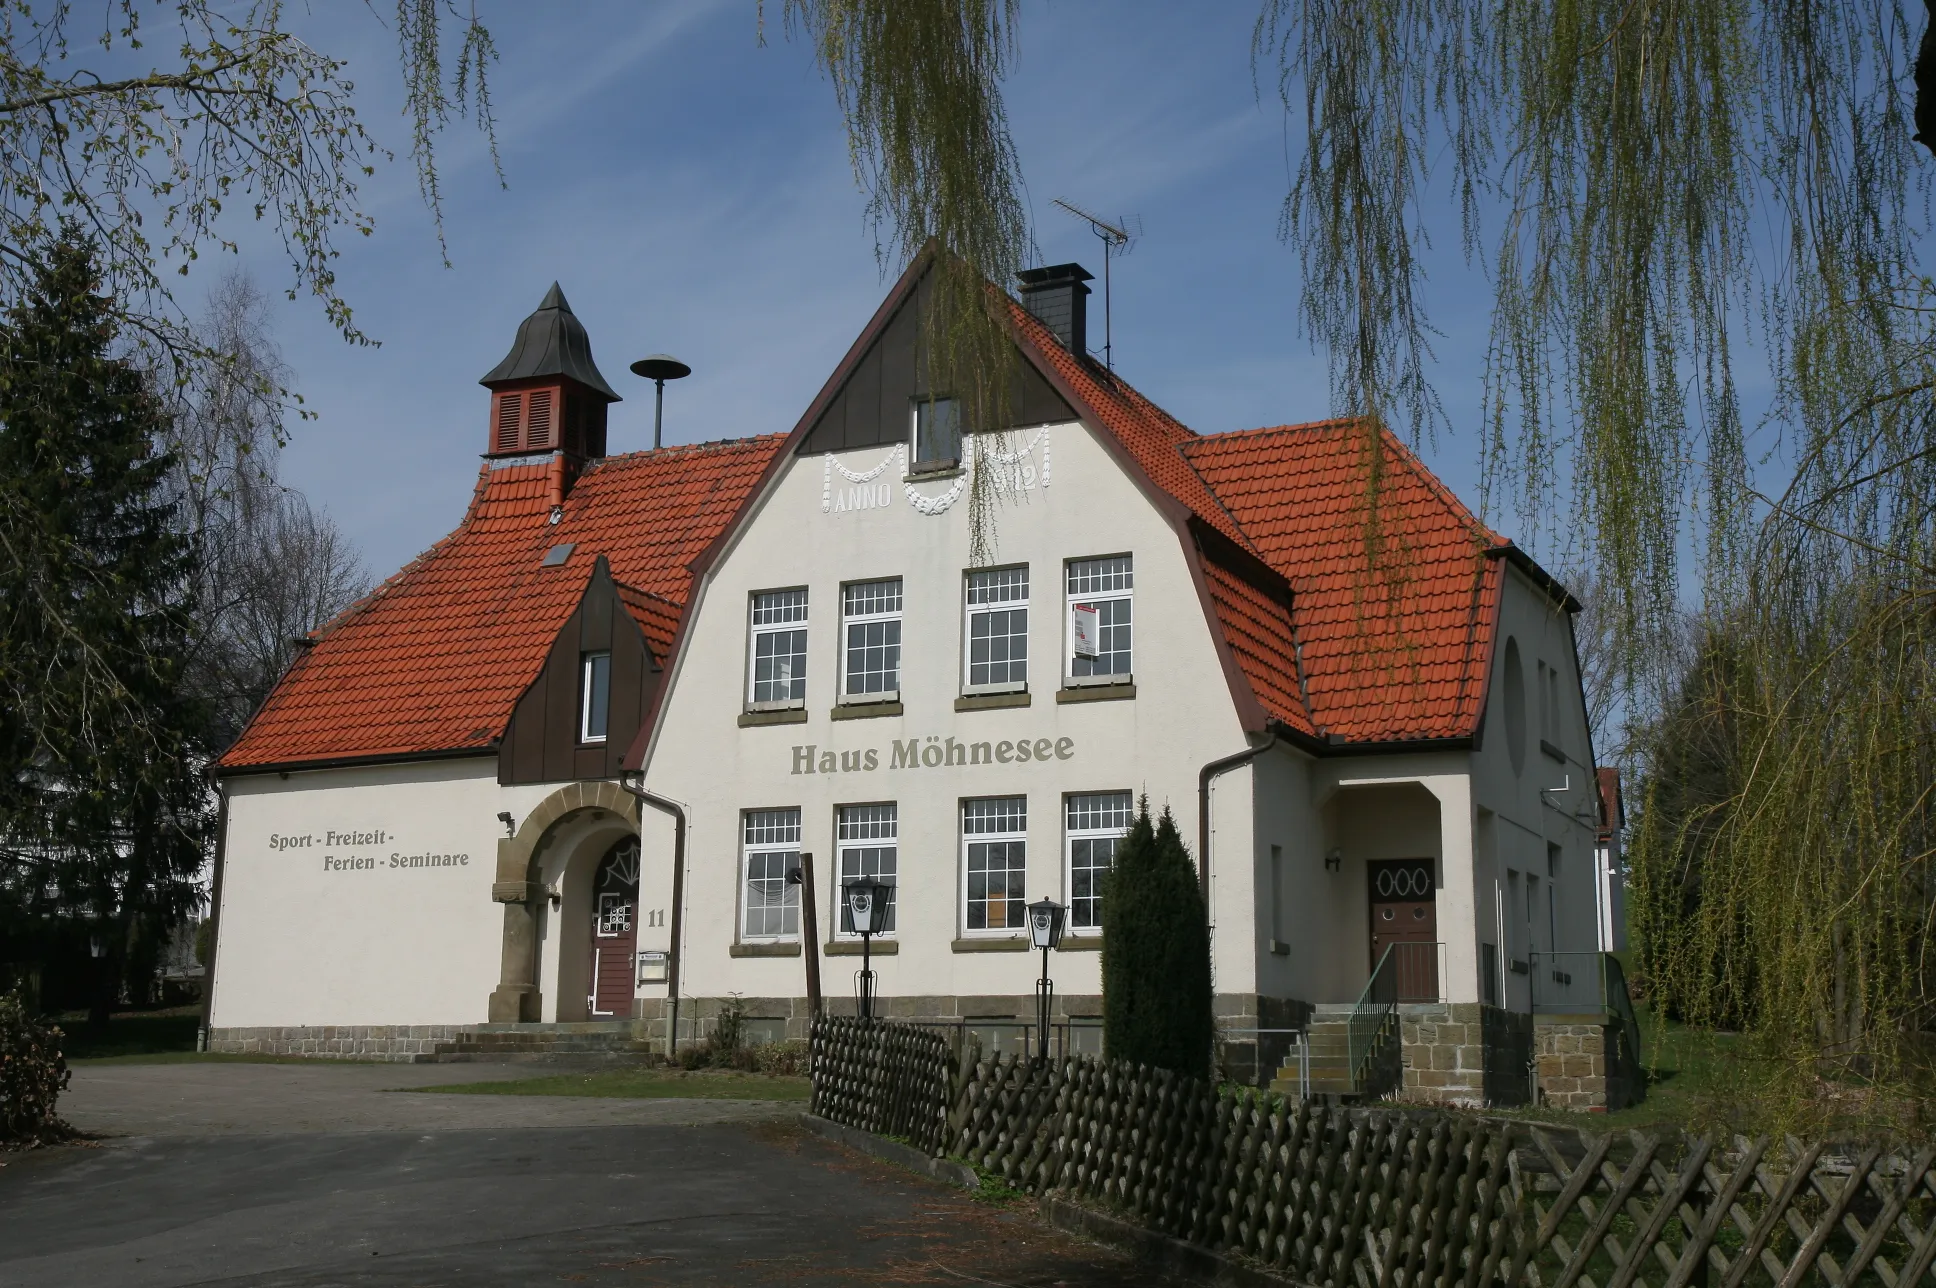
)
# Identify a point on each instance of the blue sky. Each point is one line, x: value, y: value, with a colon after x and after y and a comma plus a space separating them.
x: 691, y: 192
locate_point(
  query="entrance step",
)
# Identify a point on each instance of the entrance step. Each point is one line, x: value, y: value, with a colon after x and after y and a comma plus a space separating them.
x: 623, y: 1042
x: 1328, y: 1038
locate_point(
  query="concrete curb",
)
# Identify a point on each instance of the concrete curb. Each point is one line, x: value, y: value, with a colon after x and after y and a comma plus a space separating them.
x: 1171, y: 1256
x: 937, y: 1169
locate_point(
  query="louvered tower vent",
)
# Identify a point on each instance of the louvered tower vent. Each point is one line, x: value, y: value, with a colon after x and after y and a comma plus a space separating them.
x: 547, y: 394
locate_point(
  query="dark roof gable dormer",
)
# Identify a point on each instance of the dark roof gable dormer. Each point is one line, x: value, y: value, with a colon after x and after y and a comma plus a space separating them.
x: 542, y: 743
x: 869, y: 400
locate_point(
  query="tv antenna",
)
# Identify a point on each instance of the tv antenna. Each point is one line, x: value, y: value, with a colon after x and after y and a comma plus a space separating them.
x: 1117, y: 238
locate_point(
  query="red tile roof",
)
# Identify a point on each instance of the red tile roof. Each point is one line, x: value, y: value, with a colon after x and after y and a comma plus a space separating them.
x: 656, y: 615
x: 1335, y: 646
x: 436, y: 657
x: 1393, y: 650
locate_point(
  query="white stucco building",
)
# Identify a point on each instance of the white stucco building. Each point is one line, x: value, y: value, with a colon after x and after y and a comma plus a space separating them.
x: 559, y: 769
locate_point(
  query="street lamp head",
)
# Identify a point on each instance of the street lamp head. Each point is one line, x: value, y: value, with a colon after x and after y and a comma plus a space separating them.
x: 1045, y: 923
x: 867, y: 905
x: 661, y: 366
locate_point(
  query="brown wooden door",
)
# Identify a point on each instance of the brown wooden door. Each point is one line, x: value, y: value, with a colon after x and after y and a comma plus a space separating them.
x: 615, y: 935
x: 1405, y: 919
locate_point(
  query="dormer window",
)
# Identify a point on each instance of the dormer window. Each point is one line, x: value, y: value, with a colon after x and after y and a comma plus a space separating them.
x: 937, y: 434
x: 594, y: 697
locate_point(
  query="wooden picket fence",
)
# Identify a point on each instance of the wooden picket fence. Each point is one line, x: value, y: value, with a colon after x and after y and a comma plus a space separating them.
x: 1391, y: 1197
x: 889, y: 1079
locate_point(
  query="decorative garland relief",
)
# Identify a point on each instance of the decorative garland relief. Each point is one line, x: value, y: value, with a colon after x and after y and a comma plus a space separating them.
x: 1013, y: 474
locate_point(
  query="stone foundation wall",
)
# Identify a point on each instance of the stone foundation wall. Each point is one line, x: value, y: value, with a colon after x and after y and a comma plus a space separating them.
x: 1249, y: 1057
x: 398, y: 1042
x: 789, y: 1018
x: 1581, y: 1064
x: 997, y: 1021
x: 1465, y: 1054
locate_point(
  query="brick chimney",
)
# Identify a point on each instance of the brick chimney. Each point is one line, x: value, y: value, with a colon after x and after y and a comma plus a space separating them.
x: 1057, y: 297
x: 547, y: 396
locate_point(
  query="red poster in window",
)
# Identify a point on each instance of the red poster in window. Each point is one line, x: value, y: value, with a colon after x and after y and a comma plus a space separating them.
x: 1082, y: 629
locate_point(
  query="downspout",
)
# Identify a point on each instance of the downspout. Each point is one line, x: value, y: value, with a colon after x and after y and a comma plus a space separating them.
x: 215, y: 906
x: 678, y: 895
x: 1212, y: 770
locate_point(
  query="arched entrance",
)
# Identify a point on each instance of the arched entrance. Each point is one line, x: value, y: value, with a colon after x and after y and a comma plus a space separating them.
x: 614, y: 931
x: 546, y: 861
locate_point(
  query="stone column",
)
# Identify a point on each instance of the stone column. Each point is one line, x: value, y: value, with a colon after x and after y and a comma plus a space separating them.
x: 515, y: 1000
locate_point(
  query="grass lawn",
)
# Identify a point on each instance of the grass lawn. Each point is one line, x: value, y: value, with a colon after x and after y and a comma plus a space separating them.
x: 1717, y: 1084
x: 1689, y: 1073
x: 203, y: 1057
x: 634, y: 1083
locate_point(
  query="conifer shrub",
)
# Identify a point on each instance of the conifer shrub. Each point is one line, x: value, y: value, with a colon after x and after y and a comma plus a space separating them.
x: 33, y: 1073
x: 1156, y: 1004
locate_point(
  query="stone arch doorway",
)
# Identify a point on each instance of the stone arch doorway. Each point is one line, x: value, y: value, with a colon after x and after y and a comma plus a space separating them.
x: 550, y: 860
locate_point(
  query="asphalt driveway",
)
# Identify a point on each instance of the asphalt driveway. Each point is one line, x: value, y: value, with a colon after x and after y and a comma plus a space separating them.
x: 220, y: 1188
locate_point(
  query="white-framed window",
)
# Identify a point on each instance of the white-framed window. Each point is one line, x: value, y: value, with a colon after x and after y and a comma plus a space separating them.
x: 1098, y: 620
x: 937, y: 433
x: 871, y: 640
x: 594, y: 696
x: 777, y: 675
x: 1095, y: 824
x: 869, y: 837
x: 995, y: 656
x: 994, y: 837
x: 770, y: 906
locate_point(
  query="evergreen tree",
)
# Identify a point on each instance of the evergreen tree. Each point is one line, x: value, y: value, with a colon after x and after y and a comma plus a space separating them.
x: 1156, y: 953
x: 101, y: 745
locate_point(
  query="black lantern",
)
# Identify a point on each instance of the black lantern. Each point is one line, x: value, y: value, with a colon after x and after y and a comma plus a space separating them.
x: 1045, y: 925
x: 866, y: 904
x: 1045, y: 920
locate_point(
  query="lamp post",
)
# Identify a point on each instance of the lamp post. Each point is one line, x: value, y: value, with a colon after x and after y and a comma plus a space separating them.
x: 802, y: 876
x: 1045, y: 920
x: 867, y: 913
x: 659, y: 368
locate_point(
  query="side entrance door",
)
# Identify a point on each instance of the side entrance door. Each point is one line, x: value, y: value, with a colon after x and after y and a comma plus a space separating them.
x: 615, y: 903
x: 1405, y: 919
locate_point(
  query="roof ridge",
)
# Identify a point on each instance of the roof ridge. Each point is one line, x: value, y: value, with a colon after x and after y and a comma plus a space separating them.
x: 1447, y: 497
x: 680, y: 449
x: 627, y: 588
x: 1398, y: 452
x: 1224, y: 435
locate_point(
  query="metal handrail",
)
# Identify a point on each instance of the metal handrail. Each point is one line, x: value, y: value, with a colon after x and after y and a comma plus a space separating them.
x: 1567, y: 982
x: 1620, y: 1003
x: 1022, y: 1033
x: 1368, y: 1018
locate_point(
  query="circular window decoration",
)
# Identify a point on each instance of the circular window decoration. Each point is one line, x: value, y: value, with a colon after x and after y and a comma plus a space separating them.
x: 1402, y: 880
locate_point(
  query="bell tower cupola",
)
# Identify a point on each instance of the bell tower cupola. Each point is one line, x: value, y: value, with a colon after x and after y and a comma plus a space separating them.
x: 547, y: 394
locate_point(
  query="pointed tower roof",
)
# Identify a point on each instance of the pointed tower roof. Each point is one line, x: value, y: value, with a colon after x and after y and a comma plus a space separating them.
x: 551, y: 342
